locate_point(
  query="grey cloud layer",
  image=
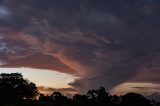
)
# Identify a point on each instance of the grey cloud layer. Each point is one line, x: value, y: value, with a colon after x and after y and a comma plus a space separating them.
x: 109, y: 40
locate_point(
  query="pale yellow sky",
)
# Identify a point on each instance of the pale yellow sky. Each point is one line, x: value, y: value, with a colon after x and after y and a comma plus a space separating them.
x: 43, y: 77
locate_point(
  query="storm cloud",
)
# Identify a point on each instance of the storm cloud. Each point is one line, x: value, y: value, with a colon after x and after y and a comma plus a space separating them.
x: 105, y: 42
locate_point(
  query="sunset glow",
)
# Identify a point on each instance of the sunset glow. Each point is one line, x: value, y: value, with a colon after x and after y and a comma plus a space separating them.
x: 143, y: 88
x: 76, y: 45
x: 41, y: 77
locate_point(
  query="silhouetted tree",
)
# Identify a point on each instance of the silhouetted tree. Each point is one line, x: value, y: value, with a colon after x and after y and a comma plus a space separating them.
x: 80, y: 100
x: 103, y: 97
x: 42, y: 97
x: 133, y: 99
x: 59, y: 99
x: 115, y: 100
x: 13, y: 87
x: 154, y: 103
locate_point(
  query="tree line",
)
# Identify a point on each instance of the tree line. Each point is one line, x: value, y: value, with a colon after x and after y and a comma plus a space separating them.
x: 17, y: 91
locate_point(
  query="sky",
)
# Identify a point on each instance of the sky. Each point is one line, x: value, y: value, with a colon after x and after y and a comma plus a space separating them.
x: 110, y: 43
x: 45, y: 79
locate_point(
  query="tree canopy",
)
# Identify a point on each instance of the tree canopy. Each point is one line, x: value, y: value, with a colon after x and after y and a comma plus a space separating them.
x: 17, y: 91
x: 14, y: 87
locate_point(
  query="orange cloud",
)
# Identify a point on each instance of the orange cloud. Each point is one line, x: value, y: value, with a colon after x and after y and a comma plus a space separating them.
x: 65, y: 91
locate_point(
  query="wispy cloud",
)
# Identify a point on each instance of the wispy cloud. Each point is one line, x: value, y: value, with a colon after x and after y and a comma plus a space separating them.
x: 116, y: 41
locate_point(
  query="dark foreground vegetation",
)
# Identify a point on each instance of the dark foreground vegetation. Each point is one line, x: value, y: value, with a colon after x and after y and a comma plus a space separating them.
x: 17, y: 91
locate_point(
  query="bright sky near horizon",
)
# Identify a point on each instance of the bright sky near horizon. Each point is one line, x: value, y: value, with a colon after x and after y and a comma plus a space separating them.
x: 43, y: 77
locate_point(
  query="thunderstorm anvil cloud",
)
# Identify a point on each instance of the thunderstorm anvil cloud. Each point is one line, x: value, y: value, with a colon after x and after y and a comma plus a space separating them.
x: 104, y: 42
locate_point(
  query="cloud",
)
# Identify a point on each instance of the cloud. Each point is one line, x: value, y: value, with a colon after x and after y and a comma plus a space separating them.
x: 38, y: 60
x: 115, y: 41
x: 66, y: 91
x: 2, y: 62
x: 146, y: 89
x: 3, y: 12
x: 149, y: 72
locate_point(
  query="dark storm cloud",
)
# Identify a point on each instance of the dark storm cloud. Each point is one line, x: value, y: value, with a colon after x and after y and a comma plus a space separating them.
x: 113, y: 40
x: 150, y: 71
